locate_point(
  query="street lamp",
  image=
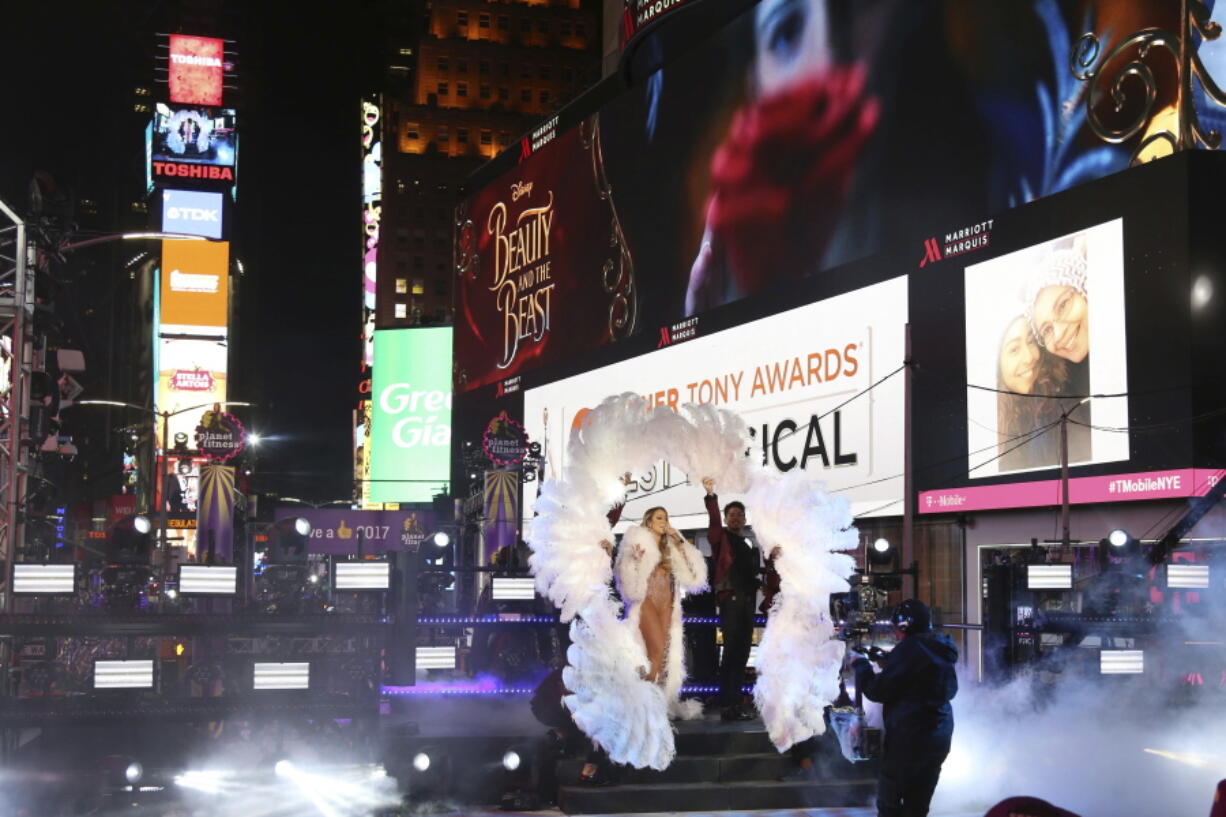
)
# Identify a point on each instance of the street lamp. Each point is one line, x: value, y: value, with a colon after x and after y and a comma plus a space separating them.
x: 165, y: 416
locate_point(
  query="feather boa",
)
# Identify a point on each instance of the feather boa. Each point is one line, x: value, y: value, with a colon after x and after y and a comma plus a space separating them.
x: 798, y: 661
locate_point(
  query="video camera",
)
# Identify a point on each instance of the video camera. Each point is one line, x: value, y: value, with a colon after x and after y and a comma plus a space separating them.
x: 857, y: 611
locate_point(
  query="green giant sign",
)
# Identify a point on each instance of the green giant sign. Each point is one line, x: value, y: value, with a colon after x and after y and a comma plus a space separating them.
x: 410, y: 437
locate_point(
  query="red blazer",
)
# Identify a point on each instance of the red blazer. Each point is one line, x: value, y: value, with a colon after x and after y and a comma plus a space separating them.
x: 723, y: 555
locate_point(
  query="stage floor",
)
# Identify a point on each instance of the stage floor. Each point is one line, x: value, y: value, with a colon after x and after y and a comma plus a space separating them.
x: 785, y: 812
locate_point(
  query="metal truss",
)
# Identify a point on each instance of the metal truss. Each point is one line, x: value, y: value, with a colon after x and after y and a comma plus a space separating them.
x: 16, y: 352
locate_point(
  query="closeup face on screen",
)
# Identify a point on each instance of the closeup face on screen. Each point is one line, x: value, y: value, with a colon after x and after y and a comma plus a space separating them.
x: 1033, y: 354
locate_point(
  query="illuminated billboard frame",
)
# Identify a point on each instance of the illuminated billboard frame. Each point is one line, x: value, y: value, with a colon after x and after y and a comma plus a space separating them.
x: 193, y: 212
x: 196, y: 69
x: 410, y: 445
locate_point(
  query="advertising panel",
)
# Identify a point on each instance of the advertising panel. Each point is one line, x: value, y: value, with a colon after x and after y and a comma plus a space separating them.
x: 338, y: 530
x: 191, y: 372
x: 764, y: 155
x: 195, y: 287
x: 194, y: 142
x: 196, y: 70
x: 192, y: 213
x: 410, y: 445
x: 1029, y: 338
x: 361, y: 456
x: 789, y: 376
x: 372, y: 206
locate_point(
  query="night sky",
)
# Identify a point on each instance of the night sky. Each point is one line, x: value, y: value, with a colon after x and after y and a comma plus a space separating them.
x: 68, y: 72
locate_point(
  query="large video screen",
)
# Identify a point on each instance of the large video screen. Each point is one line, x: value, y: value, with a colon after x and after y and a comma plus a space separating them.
x: 410, y: 438
x: 1045, y: 328
x: 194, y: 134
x: 195, y: 287
x: 789, y: 376
x: 800, y: 137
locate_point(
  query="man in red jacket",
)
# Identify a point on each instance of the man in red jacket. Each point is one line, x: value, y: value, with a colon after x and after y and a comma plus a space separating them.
x: 736, y: 581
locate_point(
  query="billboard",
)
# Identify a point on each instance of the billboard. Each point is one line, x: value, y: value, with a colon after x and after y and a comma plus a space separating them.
x: 196, y: 70
x: 195, y: 287
x: 338, y: 530
x: 766, y: 155
x: 788, y: 376
x: 410, y: 440
x: 186, y: 134
x: 372, y: 208
x: 192, y: 213
x: 191, y: 372
x: 1033, y: 317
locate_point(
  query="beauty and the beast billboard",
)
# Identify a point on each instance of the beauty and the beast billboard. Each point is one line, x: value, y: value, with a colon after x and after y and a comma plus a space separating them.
x: 799, y: 137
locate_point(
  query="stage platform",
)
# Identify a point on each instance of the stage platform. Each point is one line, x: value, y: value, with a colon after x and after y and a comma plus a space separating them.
x: 720, y: 767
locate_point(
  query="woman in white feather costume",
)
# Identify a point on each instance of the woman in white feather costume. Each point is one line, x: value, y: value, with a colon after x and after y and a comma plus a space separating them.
x: 655, y: 567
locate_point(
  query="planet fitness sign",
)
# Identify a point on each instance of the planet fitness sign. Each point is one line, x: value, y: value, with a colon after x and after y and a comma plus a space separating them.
x: 220, y: 436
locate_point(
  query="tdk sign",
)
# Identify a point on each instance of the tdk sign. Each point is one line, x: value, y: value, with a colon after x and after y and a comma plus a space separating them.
x: 192, y: 213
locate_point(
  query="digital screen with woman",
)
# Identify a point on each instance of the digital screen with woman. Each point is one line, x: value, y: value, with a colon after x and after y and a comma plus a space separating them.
x: 1033, y: 355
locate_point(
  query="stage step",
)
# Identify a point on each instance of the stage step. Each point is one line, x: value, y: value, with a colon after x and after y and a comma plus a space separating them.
x: 722, y: 767
x: 744, y: 796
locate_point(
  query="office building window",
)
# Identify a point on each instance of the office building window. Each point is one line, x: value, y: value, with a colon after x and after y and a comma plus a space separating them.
x: 483, y: 20
x: 545, y: 72
x: 444, y: 63
x: 411, y: 131
x: 443, y: 134
x: 487, y: 137
x: 504, y: 22
x: 504, y: 94
x: 402, y: 286
x: 461, y: 89
x: 419, y: 286
x: 544, y: 97
x: 402, y: 311
x: 525, y: 95
x: 461, y: 135
x: 461, y: 18
x: 442, y: 89
x: 485, y: 92
x: 483, y: 67
x: 461, y: 66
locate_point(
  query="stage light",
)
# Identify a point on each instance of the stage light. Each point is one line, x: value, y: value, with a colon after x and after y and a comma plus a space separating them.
x: 278, y: 675
x: 253, y: 439
x: 171, y: 593
x: 1187, y: 577
x: 1049, y: 577
x: 123, y: 674
x: 436, y: 657
x: 313, y: 579
x: 141, y: 524
x: 882, y: 552
x: 1121, y: 662
x: 133, y: 773
x: 43, y: 579
x: 1118, y: 538
x: 508, y: 589
x: 511, y: 760
x: 302, y: 526
x: 216, y: 580
x: 283, y: 768
x: 372, y: 575
x: 441, y: 539
x: 421, y: 762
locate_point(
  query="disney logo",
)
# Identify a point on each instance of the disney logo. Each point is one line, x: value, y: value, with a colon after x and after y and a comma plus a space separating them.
x: 520, y: 189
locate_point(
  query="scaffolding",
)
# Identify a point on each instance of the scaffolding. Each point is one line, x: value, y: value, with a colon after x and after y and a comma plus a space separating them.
x: 16, y: 353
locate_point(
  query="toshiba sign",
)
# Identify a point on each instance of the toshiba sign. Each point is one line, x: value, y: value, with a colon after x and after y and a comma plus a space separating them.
x: 196, y: 70
x: 192, y: 213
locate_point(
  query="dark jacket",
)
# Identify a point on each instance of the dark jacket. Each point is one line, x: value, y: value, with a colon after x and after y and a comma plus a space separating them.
x: 724, y: 545
x: 916, y: 685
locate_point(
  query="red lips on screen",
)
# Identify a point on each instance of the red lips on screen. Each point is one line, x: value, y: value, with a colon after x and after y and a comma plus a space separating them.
x: 780, y: 179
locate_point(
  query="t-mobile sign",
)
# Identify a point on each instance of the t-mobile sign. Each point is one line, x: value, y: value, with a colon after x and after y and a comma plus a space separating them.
x: 192, y: 213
